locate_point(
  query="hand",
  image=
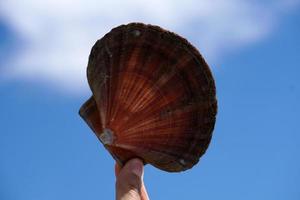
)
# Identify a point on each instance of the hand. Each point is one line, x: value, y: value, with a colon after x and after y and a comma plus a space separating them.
x: 129, y: 183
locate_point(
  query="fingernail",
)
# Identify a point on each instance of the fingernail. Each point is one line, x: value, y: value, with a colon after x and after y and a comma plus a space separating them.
x: 137, y: 167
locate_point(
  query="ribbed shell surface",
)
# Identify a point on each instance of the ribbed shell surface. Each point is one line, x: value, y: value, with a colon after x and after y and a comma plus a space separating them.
x: 153, y: 97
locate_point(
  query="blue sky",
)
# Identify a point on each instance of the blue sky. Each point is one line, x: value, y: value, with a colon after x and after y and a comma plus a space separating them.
x: 48, y: 152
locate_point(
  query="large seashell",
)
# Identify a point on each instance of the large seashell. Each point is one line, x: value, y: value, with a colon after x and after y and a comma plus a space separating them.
x: 153, y: 97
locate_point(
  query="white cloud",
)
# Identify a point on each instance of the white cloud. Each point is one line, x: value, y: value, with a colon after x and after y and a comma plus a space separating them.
x: 58, y: 34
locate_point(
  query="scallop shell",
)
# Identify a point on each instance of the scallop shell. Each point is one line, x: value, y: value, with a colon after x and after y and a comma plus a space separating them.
x: 153, y: 97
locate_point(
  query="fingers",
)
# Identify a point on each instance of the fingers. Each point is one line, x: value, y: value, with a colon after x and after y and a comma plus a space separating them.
x: 144, y: 193
x: 117, y: 169
x: 129, y: 180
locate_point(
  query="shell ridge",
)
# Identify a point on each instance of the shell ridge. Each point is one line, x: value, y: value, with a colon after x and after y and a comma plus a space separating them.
x: 141, y: 39
x: 109, y: 91
x: 148, y: 58
x: 122, y: 57
x: 137, y: 92
x: 115, y: 70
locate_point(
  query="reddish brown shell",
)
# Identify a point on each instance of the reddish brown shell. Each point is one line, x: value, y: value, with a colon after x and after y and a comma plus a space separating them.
x: 153, y: 97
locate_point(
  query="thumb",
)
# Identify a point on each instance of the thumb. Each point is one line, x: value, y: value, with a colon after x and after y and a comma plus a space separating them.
x: 129, y: 181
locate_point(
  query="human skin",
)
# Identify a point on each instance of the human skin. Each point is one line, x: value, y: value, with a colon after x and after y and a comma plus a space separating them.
x: 129, y: 181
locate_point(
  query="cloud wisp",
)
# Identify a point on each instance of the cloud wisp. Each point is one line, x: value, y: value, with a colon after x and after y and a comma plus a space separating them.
x: 57, y: 35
